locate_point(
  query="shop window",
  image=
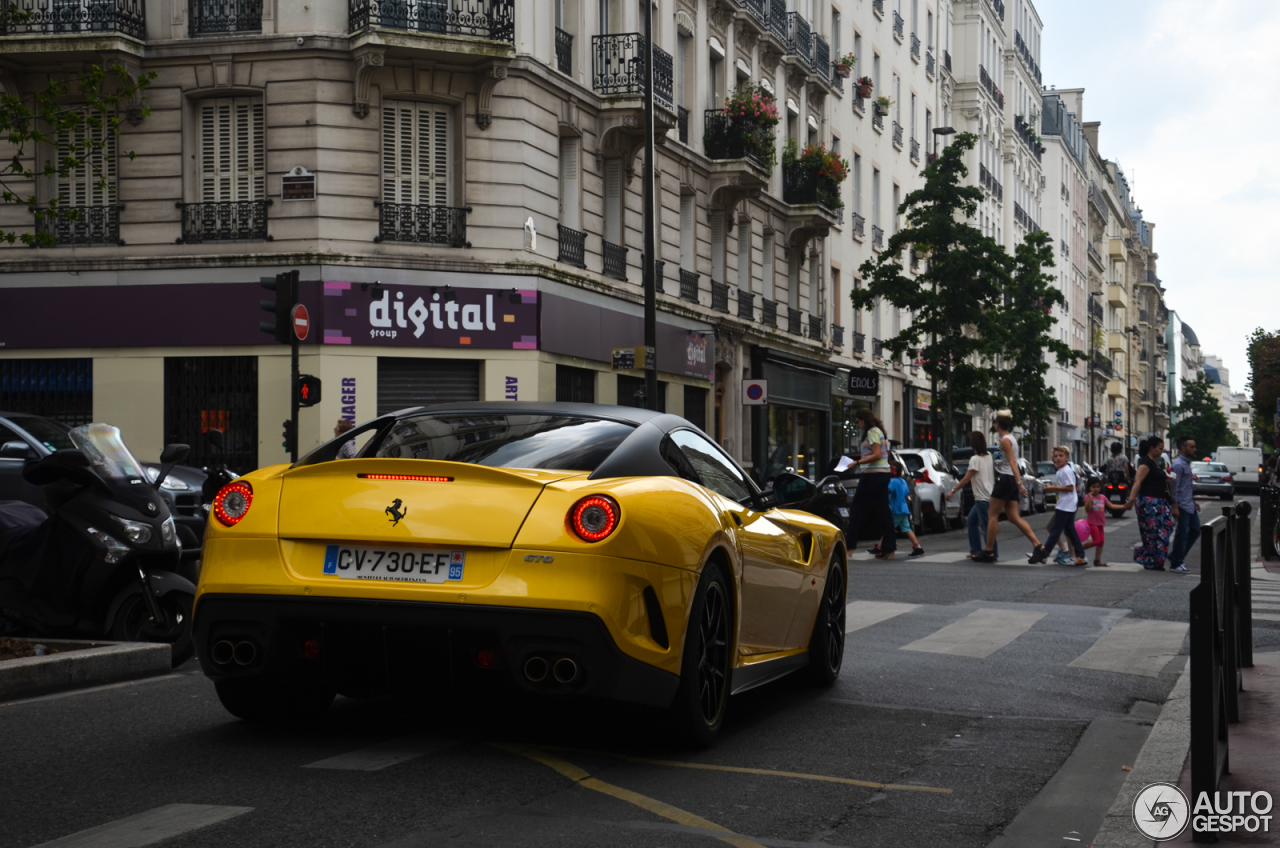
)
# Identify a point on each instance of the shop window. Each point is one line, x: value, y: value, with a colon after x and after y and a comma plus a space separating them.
x: 695, y: 407
x: 575, y: 385
x: 61, y: 389
x: 203, y: 393
x: 631, y: 392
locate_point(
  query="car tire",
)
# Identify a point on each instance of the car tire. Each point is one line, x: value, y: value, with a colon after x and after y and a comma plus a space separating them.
x: 265, y: 701
x: 702, y: 698
x: 937, y: 522
x: 131, y: 624
x: 826, y: 642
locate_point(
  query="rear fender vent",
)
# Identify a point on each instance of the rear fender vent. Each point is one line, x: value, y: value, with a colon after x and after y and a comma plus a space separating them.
x: 806, y: 545
x: 657, y: 625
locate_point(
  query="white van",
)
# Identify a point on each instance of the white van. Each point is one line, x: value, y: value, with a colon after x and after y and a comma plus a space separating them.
x: 1244, y: 464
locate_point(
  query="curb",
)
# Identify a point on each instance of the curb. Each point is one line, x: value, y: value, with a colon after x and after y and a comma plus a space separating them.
x: 1160, y: 761
x: 89, y: 664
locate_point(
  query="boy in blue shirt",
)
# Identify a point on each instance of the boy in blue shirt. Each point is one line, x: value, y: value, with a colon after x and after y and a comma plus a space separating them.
x: 902, y: 512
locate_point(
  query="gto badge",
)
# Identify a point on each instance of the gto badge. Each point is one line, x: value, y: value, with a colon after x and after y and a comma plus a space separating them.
x: 395, y: 512
x: 539, y: 558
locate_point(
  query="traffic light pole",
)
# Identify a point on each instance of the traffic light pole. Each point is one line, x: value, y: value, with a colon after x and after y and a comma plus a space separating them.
x: 293, y: 395
x: 649, y: 257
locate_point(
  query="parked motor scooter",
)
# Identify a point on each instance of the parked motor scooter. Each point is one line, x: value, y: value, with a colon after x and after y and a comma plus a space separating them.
x: 828, y: 499
x: 217, y: 475
x: 101, y: 563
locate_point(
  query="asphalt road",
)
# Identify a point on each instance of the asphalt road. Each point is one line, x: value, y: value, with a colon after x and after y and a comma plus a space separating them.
x: 966, y: 688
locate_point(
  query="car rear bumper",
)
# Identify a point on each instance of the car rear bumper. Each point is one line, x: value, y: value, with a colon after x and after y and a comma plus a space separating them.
x: 1213, y: 488
x: 371, y: 647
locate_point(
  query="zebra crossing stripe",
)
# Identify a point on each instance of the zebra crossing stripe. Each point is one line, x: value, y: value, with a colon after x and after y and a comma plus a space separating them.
x: 979, y: 634
x: 1262, y: 616
x: 384, y: 754
x: 148, y: 828
x: 860, y: 614
x: 1134, y: 646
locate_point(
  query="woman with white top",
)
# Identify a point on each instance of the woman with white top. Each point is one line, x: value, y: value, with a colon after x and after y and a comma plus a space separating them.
x: 1005, y: 492
x: 981, y: 476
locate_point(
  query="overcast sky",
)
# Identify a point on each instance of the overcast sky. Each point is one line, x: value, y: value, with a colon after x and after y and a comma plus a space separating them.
x: 1184, y: 90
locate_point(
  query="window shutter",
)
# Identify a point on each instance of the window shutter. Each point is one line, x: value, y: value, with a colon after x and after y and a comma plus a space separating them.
x: 95, y: 147
x: 570, y: 183
x: 686, y: 232
x: 766, y: 267
x: 613, y: 201
x: 682, y: 62
x: 417, y: 154
x: 232, y: 150
x: 441, y: 141
x: 744, y: 255
x: 717, y: 246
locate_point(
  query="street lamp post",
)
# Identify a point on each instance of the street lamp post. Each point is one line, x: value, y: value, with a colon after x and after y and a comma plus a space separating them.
x: 1093, y: 404
x: 648, y: 258
x: 938, y: 132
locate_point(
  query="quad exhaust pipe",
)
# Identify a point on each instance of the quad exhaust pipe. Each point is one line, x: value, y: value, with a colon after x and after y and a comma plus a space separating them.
x: 563, y: 670
x: 223, y: 652
x: 535, y: 669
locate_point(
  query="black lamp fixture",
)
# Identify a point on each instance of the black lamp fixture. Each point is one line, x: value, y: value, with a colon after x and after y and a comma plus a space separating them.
x: 375, y: 292
x: 513, y: 296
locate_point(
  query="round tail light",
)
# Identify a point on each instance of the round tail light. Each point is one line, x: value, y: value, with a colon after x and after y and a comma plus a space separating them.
x: 593, y: 518
x: 232, y: 502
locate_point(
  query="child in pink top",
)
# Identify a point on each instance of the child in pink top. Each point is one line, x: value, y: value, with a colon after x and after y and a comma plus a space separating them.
x: 1092, y: 528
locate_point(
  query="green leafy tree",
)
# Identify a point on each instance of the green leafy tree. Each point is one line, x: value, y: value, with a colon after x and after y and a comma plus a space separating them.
x: 1264, y: 382
x: 1200, y: 416
x: 1026, y: 343
x: 954, y: 301
x: 76, y: 116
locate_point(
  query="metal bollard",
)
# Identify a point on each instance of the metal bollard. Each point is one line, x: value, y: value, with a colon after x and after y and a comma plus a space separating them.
x: 1268, y: 502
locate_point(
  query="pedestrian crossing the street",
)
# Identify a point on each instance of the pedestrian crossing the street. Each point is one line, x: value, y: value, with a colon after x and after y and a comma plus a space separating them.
x: 1116, y: 643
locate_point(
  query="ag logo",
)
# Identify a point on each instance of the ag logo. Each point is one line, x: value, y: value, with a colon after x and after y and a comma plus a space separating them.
x: 395, y: 512
x: 1160, y: 811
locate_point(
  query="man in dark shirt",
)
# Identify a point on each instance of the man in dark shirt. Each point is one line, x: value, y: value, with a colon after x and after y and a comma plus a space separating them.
x: 1185, y: 509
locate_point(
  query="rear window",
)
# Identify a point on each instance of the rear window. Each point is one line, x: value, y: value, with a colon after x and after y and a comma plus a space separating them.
x: 552, y: 442
x: 1211, y: 467
x: 913, y: 461
x: 51, y: 434
x: 1046, y: 469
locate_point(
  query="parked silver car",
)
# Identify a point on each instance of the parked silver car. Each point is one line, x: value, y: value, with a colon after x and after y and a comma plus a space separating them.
x: 934, y: 478
x: 1212, y: 478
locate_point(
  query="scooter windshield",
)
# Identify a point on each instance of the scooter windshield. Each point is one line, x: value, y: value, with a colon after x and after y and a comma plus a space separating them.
x: 107, y: 452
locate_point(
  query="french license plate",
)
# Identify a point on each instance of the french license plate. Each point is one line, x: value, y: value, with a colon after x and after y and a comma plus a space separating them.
x: 1117, y: 498
x: 844, y: 513
x: 399, y: 565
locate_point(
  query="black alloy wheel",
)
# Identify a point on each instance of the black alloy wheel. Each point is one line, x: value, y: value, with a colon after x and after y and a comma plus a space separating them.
x: 133, y: 623
x: 698, y: 710
x: 826, y: 644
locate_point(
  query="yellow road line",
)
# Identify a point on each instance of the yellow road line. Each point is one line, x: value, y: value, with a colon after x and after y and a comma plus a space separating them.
x: 667, y: 811
x: 848, y: 781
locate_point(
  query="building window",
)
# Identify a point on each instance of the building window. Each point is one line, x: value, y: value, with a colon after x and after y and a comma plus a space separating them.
x: 570, y: 183
x: 835, y: 33
x: 417, y: 176
x: 687, y: 241
x: 767, y: 269
x: 575, y: 385
x: 857, y: 183
x: 230, y: 189
x: 88, y: 188
x: 744, y: 255
x: 875, y: 197
x: 613, y: 201
x: 717, y: 246
x: 631, y: 392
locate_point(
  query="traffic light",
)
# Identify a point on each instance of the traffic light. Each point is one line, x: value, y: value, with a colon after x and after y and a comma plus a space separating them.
x: 308, y: 390
x: 290, y: 437
x: 286, y: 288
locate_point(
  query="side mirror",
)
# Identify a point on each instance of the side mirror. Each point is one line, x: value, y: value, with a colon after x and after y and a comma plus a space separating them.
x: 169, y: 457
x: 789, y: 488
x: 215, y: 439
x: 17, y: 450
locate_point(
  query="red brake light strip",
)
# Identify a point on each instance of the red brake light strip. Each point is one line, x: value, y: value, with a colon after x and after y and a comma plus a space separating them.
x: 426, y: 478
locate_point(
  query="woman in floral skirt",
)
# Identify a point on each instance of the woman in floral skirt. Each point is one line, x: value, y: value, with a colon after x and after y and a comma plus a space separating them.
x: 1150, y: 493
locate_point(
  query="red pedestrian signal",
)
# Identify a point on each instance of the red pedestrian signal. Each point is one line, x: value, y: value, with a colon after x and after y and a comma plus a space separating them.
x: 308, y: 390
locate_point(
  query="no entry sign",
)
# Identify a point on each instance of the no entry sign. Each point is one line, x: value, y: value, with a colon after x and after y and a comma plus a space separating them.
x: 301, y: 322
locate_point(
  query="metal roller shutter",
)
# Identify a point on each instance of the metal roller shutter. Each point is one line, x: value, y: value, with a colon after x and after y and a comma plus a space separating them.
x: 406, y: 382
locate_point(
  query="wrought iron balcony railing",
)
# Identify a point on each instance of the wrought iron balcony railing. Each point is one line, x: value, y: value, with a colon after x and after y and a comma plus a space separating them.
x: 946, y: 60
x: 897, y: 135
x: 821, y: 58
x: 614, y: 261
x: 572, y: 248
x: 239, y: 220
x: 719, y: 296
x: 799, y: 38
x: 422, y: 223
x: 219, y: 17
x: 564, y: 51
x: 859, y: 342
x: 877, y: 6
x: 877, y: 348
x: 915, y: 47
x: 746, y: 305
x: 1097, y: 201
x: 682, y: 124
x: 1093, y: 253
x: 768, y: 312
x: 57, y: 17
x: 837, y: 335
x: 859, y: 102
x: 794, y: 324
x: 898, y: 24
x: 730, y: 138
x: 688, y: 285
x: 82, y: 225
x: 619, y: 67
x: 915, y: 150
x: 778, y: 19
x: 877, y: 236
x: 877, y: 120
x: 815, y: 327
x: 998, y: 5
x: 930, y: 63
x: 859, y: 226
x: 837, y: 81
x: 803, y: 184
x: 756, y: 8
x: 491, y: 19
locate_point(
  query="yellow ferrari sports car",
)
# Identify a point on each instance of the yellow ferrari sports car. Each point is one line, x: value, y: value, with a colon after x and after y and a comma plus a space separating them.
x: 567, y: 549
